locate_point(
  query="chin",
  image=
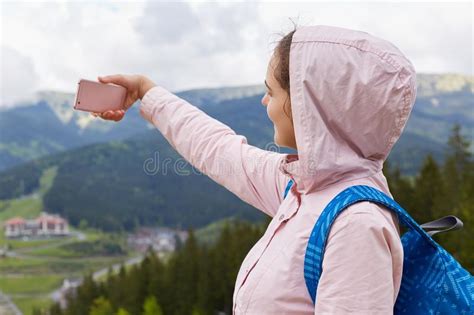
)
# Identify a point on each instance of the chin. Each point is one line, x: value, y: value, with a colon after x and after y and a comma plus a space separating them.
x: 278, y: 142
x: 275, y: 139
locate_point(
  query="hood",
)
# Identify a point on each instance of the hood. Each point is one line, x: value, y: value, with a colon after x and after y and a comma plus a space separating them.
x: 351, y: 96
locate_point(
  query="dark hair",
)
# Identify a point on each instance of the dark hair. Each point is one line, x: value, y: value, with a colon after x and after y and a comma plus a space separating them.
x: 282, y: 68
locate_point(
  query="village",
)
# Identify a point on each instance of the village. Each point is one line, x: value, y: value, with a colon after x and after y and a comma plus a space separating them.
x: 162, y: 240
x: 46, y: 226
x: 159, y: 239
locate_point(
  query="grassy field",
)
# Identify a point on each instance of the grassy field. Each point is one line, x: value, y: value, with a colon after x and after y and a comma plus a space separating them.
x: 30, y: 284
x: 28, y: 207
x: 30, y: 279
x: 40, y: 266
x: 26, y: 304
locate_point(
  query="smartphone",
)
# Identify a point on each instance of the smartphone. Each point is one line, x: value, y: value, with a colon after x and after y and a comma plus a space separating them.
x: 96, y: 97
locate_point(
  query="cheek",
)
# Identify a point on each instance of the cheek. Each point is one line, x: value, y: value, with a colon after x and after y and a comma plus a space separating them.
x: 274, y: 111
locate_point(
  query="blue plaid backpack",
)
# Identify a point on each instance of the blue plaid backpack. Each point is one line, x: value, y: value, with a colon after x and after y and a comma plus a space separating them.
x: 433, y: 282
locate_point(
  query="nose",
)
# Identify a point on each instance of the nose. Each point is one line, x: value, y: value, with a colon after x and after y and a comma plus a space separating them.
x: 265, y: 99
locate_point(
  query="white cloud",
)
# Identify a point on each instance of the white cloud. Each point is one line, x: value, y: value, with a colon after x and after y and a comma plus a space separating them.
x: 51, y: 45
x: 19, y: 79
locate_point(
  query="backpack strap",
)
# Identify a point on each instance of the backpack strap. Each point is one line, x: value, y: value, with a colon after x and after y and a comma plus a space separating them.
x: 288, y: 186
x: 317, y: 240
x: 447, y: 223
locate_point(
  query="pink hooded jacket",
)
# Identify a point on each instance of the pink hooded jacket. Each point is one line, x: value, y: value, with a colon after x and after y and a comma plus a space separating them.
x: 351, y: 96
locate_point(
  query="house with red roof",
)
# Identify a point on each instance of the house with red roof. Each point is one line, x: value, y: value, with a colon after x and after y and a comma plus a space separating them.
x: 44, y: 225
x: 14, y: 227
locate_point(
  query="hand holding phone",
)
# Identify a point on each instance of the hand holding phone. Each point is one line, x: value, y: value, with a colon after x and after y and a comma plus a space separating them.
x: 134, y: 85
x: 96, y: 97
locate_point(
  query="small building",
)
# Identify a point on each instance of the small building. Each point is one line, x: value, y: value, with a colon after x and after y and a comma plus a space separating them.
x: 51, y: 225
x: 160, y: 239
x: 14, y: 227
x: 44, y: 225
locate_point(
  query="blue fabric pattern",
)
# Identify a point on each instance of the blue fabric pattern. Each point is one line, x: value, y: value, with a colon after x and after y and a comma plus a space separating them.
x: 288, y: 186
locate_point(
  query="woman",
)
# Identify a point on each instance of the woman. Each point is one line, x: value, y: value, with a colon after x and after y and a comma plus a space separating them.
x: 349, y: 95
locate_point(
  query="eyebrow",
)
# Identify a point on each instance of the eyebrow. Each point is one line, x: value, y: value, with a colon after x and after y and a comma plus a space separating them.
x: 267, y: 85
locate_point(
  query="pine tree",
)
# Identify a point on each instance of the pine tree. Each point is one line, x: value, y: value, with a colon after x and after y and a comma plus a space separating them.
x: 223, y: 255
x: 151, y: 307
x: 400, y: 186
x: 466, y: 212
x: 402, y: 190
x: 188, y: 274
x: 429, y: 193
x: 87, y: 292
x: 55, y: 309
x: 156, y: 282
x: 458, y: 171
x: 101, y: 306
x: 205, y: 286
x: 122, y: 311
x: 136, y: 283
x: 457, y: 166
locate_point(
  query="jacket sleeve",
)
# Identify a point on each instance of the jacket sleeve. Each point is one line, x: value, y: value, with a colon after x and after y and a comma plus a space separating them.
x: 362, y: 264
x: 216, y: 150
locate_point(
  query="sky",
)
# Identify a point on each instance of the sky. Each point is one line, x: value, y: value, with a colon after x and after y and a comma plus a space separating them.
x: 50, y: 45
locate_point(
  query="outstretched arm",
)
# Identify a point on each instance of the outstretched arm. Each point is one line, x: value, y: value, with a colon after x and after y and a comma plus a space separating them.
x: 216, y: 150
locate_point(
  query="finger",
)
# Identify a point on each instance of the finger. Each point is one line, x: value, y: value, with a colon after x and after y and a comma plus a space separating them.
x: 118, y: 117
x: 115, y: 78
x: 113, y: 115
x: 120, y: 114
x: 104, y: 115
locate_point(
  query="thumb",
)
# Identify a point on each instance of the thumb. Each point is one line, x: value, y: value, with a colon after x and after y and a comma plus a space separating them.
x: 103, y: 79
x: 116, y: 78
